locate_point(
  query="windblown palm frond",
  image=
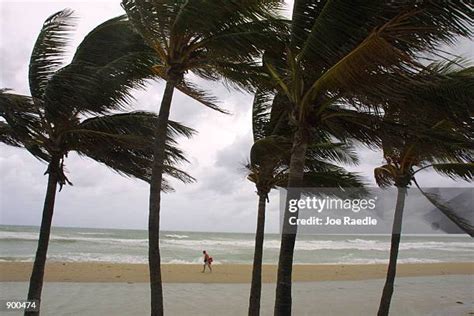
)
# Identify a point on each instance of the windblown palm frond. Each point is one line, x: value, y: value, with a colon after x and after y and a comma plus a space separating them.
x: 464, y: 171
x: 448, y: 211
x: 109, y: 63
x: 374, y: 54
x: 261, y: 114
x: 270, y: 160
x: 24, y: 122
x: 441, y: 140
x: 333, y: 28
x: 203, y: 97
x: 223, y: 46
x: 385, y: 175
x: 333, y: 152
x: 49, y: 49
x: 112, y: 56
x: 124, y: 143
x: 335, y: 178
x: 8, y: 136
x: 108, y: 42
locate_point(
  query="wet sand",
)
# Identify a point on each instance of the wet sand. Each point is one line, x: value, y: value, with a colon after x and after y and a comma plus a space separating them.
x: 430, y: 295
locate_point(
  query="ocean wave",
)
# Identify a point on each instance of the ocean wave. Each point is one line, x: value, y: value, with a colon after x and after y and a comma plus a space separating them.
x: 176, y: 236
x: 93, y: 257
x: 118, y: 258
x: 18, y: 236
x: 174, y: 241
x: 310, y: 245
x: 21, y: 236
x: 88, y: 233
x: 16, y: 259
x: 106, y: 258
x: 362, y: 241
x: 385, y: 261
x: 382, y: 246
x: 195, y: 261
x: 135, y: 242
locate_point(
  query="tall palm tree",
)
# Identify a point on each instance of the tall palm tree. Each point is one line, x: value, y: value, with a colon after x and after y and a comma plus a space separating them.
x: 268, y: 169
x: 399, y: 170
x: 442, y: 116
x: 70, y: 110
x: 212, y: 40
x: 337, y: 64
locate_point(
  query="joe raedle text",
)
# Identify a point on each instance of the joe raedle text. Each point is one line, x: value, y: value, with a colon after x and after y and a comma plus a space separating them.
x: 346, y: 212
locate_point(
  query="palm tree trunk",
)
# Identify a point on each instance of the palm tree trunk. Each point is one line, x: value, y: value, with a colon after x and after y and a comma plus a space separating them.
x: 36, y: 279
x: 154, y: 259
x: 395, y: 243
x: 256, y: 287
x: 288, y: 238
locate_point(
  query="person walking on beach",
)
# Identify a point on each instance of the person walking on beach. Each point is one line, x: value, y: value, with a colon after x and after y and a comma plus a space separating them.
x: 207, y: 261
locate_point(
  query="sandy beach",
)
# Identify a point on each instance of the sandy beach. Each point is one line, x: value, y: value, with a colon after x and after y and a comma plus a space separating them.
x: 121, y: 289
x: 224, y: 273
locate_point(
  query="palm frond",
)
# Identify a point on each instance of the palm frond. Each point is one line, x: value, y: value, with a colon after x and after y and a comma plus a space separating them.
x: 124, y: 142
x: 279, y: 123
x: 74, y: 88
x: 261, y: 113
x: 354, y: 72
x: 246, y: 76
x: 25, y: 123
x: 270, y: 150
x: 224, y: 46
x: 305, y: 12
x: 448, y: 211
x: 245, y: 41
x: 464, y: 171
x: 336, y: 178
x: 339, y: 26
x: 335, y: 27
x: 133, y: 129
x: 151, y: 20
x: 48, y: 52
x: 343, y: 153
x: 108, y: 42
x: 355, y: 124
x: 385, y: 176
x: 192, y: 91
x: 113, y: 57
x: 8, y: 136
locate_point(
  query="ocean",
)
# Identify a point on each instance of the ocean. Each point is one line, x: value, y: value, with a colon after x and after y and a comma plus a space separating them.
x: 18, y: 244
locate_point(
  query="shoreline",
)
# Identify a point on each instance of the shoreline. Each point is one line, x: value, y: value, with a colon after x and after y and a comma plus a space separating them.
x: 101, y: 272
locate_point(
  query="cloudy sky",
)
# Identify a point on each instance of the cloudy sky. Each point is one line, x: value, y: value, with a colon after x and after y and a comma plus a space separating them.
x: 221, y: 200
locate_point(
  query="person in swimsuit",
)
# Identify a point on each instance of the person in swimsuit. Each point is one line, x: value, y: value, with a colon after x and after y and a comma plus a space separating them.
x: 207, y: 261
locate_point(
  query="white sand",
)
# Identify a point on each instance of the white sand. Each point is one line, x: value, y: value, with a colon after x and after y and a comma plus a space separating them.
x: 438, y: 295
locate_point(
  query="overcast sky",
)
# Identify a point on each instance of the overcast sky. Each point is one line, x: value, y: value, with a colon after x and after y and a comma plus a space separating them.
x: 221, y: 200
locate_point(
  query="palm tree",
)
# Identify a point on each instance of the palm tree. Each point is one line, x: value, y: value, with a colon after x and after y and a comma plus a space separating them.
x: 211, y: 39
x: 338, y: 63
x: 70, y: 110
x: 442, y: 141
x: 268, y: 169
x: 400, y: 170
